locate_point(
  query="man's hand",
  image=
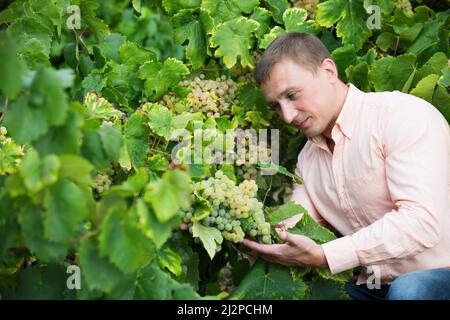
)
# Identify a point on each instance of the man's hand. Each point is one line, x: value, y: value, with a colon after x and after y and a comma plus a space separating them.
x: 295, y: 251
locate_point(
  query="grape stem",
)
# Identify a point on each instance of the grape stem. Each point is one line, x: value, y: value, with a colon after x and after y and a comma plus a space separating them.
x: 268, y: 189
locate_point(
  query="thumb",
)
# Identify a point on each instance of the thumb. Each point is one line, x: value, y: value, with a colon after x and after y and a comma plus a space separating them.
x: 283, y: 234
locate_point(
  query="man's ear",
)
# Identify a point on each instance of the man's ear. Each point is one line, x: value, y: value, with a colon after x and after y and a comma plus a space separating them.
x: 330, y: 69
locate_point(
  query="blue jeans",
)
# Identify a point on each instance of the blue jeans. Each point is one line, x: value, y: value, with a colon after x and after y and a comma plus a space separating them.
x: 431, y: 284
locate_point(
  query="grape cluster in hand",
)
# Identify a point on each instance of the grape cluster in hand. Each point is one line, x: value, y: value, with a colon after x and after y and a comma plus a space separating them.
x: 236, y: 210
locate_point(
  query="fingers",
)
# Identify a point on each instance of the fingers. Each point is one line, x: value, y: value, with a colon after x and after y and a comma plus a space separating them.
x: 260, y: 248
x: 284, y: 235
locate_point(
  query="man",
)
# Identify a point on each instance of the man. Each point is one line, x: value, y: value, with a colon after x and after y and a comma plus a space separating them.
x: 376, y: 167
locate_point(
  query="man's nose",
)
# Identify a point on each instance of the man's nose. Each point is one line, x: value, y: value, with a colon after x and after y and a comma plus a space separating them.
x: 288, y: 112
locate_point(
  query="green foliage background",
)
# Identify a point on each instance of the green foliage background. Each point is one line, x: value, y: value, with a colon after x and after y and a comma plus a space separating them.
x: 127, y: 241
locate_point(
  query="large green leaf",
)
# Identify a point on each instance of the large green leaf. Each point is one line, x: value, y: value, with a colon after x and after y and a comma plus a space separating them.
x: 306, y: 226
x: 65, y: 205
x: 123, y: 243
x: 174, y: 6
x: 425, y: 88
x: 391, y: 73
x: 47, y: 95
x: 294, y: 20
x: 98, y: 272
x: 209, y: 236
x: 149, y: 224
x: 32, y: 224
x: 160, y: 77
x: 169, y: 194
x: 226, y: 10
x: 234, y: 40
x: 350, y: 17
x: 25, y: 123
x: 136, y: 139
x: 11, y: 68
x: 193, y: 27
x: 269, y: 282
x: 46, y: 282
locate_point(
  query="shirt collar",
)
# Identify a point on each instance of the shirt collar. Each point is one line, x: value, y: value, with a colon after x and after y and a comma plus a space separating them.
x: 346, y: 119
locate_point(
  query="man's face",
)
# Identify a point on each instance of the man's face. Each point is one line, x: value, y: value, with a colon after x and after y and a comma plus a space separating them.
x: 302, y: 98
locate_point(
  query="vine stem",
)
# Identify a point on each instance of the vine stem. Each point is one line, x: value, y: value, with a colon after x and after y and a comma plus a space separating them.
x: 267, y: 192
x: 396, y: 46
x: 6, y: 109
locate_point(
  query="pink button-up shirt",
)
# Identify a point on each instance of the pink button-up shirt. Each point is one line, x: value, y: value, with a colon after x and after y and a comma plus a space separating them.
x: 385, y: 187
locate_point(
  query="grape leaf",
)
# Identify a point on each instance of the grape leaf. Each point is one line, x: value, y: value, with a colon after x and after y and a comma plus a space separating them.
x: 43, y: 282
x: 265, y: 282
x: 295, y: 19
x: 234, y: 39
x: 110, y: 45
x: 98, y: 272
x: 170, y: 259
x: 32, y: 224
x: 112, y: 140
x: 425, y: 87
x: 136, y: 139
x: 133, y: 186
x: 65, y: 138
x: 149, y: 224
x: 278, y: 7
x: 76, y: 169
x: 65, y: 205
x: 441, y: 100
x: 391, y: 73
x: 11, y: 68
x: 350, y: 17
x: 160, y: 77
x: 123, y: 243
x: 47, y: 95
x: 193, y: 27
x: 174, y: 6
x: 209, y: 236
x: 226, y: 10
x: 305, y: 226
x: 285, y: 211
x: 428, y: 37
x: 169, y: 194
x: 445, y: 78
x: 264, y: 18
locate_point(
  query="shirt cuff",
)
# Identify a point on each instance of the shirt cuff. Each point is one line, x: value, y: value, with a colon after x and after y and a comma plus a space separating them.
x: 340, y: 254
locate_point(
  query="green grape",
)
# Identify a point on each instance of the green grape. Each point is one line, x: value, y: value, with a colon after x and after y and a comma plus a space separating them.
x: 405, y: 6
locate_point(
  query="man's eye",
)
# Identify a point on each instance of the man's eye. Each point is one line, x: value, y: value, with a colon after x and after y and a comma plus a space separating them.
x: 292, y: 96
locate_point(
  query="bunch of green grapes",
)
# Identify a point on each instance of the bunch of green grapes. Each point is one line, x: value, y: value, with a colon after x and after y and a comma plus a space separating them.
x: 236, y: 210
x: 103, y: 181
x: 248, y: 152
x: 212, y: 97
x: 10, y: 153
x: 309, y: 5
x: 405, y: 6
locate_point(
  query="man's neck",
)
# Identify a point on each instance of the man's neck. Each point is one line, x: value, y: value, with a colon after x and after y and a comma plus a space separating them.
x: 340, y: 96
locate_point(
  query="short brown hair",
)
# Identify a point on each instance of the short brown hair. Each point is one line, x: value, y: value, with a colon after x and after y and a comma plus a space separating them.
x: 302, y: 48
